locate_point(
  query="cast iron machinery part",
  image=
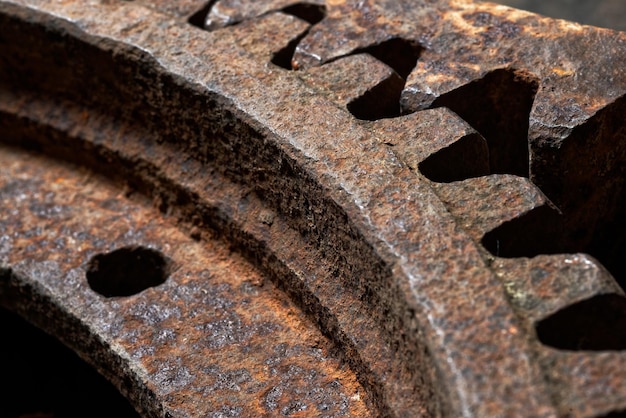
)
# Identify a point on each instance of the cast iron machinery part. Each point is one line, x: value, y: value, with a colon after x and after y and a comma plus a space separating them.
x: 328, y: 208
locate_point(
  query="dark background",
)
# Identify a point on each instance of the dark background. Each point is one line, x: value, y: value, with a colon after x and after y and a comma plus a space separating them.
x: 603, y: 13
x: 41, y: 378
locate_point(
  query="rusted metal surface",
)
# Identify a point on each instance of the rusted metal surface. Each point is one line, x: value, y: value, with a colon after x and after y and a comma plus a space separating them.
x: 364, y: 208
x: 214, y: 338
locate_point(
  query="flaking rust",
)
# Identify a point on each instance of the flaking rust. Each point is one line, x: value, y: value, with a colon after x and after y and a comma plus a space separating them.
x: 365, y: 208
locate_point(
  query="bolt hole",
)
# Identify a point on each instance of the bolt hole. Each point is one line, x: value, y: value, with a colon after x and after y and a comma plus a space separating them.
x: 594, y: 324
x: 127, y: 271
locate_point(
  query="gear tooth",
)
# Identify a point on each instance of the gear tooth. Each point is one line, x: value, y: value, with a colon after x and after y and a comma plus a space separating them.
x: 543, y: 285
x: 483, y: 204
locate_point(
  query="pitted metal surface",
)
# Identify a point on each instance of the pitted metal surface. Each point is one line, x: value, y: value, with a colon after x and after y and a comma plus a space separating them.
x: 333, y: 208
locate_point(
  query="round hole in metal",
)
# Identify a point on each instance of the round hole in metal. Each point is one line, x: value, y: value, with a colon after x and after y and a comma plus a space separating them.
x: 127, y: 271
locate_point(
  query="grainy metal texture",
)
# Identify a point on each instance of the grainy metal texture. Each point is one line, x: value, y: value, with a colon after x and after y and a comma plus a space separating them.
x: 214, y: 338
x: 363, y: 208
